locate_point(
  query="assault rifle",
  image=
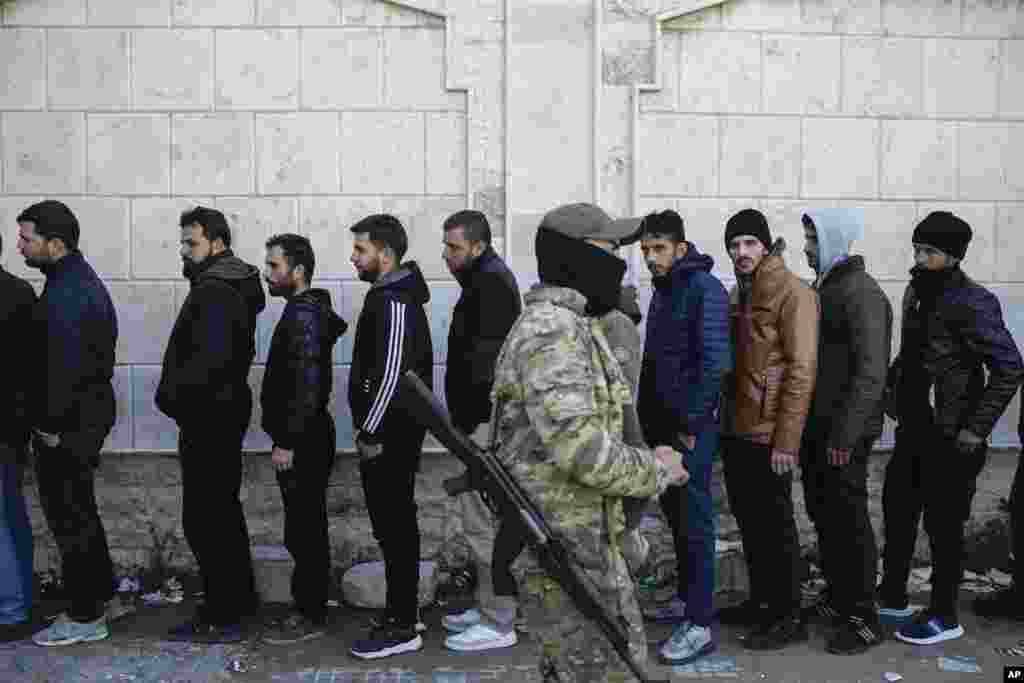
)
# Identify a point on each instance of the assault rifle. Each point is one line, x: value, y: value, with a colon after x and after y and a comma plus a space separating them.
x: 507, y: 499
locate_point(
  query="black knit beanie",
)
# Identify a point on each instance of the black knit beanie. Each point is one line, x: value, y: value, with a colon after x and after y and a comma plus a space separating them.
x: 945, y: 231
x: 748, y: 222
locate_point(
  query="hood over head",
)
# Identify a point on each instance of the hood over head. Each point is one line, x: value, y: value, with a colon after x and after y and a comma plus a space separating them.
x: 244, y: 277
x: 408, y: 278
x: 837, y: 230
x: 320, y: 300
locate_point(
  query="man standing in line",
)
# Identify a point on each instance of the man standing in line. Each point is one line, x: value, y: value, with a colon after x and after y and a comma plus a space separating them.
x: 488, y: 306
x: 854, y: 341
x: 75, y: 332
x: 204, y: 387
x: 17, y: 300
x: 775, y: 342
x: 686, y: 354
x: 294, y: 397
x: 953, y: 331
x: 392, y: 336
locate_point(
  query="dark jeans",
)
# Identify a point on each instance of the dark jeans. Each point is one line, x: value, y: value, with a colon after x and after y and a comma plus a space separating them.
x: 1017, y: 523
x: 762, y: 503
x: 389, y: 485
x: 67, y: 492
x: 837, y: 503
x: 690, y: 515
x: 15, y: 542
x: 509, y: 543
x: 211, y: 477
x: 304, y: 492
x: 927, y: 476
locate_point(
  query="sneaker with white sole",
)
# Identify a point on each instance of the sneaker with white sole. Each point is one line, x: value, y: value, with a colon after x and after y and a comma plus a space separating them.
x: 481, y: 637
x: 688, y: 643
x: 670, y: 612
x: 928, y: 629
x: 64, y: 631
x: 904, y: 612
x: 461, y: 621
x: 387, y: 640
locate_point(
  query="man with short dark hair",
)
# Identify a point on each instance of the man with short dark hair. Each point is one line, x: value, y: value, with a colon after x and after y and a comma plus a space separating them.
x: 686, y: 354
x: 294, y: 397
x: 486, y: 310
x: 17, y: 299
x: 204, y: 387
x: 392, y: 336
x: 75, y: 333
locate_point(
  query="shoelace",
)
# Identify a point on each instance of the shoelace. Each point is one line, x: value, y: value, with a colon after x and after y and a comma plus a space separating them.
x: 862, y: 629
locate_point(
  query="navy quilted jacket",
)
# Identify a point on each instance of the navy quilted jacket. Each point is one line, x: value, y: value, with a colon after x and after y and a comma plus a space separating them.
x: 686, y: 352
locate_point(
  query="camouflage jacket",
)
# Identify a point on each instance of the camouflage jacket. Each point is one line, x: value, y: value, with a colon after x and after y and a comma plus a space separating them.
x: 559, y: 394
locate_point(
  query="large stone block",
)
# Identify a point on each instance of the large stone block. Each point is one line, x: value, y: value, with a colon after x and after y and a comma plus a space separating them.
x: 173, y: 69
x: 992, y: 18
x: 1009, y: 246
x: 677, y: 154
x: 212, y: 153
x: 377, y: 13
x: 351, y: 305
x: 909, y: 17
x: 801, y: 74
x: 720, y: 72
x: 254, y: 219
x: 156, y: 235
x: 138, y: 13
x: 918, y: 159
x: 856, y: 142
x: 129, y: 154
x: 44, y: 12
x: 153, y: 430
x: 382, y: 153
x: 57, y: 167
x: 760, y: 156
x: 882, y: 76
x: 980, y: 262
x: 763, y: 15
x: 422, y: 218
x: 326, y: 222
x: 298, y: 12
x: 21, y: 52
x: 446, y: 153
x: 146, y: 313
x: 257, y: 69
x: 961, y: 77
x: 297, y: 153
x: 414, y: 71
x: 844, y: 16
x: 213, y: 12
x: 1011, y: 95
x: 668, y: 70
x: 88, y: 68
x: 886, y: 244
x: 341, y: 68
x: 105, y: 234
x: 991, y: 161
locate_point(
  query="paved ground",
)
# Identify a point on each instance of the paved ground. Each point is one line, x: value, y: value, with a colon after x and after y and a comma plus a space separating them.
x: 135, y: 652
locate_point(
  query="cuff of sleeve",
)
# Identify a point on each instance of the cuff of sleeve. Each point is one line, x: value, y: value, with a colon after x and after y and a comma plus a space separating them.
x: 662, y: 477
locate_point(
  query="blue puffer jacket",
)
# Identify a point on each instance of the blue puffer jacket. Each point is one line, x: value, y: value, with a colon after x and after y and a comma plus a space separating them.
x: 686, y: 352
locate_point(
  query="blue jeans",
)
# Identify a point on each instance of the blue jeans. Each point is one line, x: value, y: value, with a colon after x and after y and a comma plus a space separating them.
x: 15, y: 547
x: 690, y: 514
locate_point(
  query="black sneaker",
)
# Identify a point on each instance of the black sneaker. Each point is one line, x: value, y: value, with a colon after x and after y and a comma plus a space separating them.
x: 747, y: 613
x: 293, y: 629
x: 854, y: 635
x: 777, y: 634
x: 20, y: 630
x: 1007, y: 603
x: 821, y: 611
x: 199, y: 631
x: 387, y: 640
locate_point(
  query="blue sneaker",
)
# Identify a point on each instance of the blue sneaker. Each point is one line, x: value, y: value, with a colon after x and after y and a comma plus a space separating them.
x: 688, y: 643
x: 928, y: 629
x: 64, y: 631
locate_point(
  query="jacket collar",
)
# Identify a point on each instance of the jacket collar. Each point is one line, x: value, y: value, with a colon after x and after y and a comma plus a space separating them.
x: 850, y: 264
x: 71, y: 260
x: 563, y: 297
x: 465, y: 277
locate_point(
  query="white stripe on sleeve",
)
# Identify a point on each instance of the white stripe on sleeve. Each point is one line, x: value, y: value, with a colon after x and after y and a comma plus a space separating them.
x: 392, y: 367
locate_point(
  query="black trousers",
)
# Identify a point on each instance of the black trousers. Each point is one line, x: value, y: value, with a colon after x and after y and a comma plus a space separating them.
x: 304, y: 492
x: 389, y: 485
x: 215, y: 528
x: 762, y: 503
x: 1017, y: 523
x: 509, y: 543
x: 837, y: 503
x: 927, y: 477
x: 67, y: 492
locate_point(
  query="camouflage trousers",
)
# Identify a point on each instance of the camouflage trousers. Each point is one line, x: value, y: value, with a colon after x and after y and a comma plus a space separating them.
x: 570, y: 647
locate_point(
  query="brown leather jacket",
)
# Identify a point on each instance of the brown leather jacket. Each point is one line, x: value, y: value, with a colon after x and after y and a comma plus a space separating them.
x: 775, y: 350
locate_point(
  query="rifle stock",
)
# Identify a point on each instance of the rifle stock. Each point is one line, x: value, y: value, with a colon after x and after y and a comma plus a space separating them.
x: 508, y: 499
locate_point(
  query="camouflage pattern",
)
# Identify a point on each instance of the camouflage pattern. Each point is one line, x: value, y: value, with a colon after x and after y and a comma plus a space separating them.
x: 559, y: 394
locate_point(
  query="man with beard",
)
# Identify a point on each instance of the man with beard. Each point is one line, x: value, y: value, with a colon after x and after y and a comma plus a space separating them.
x: 559, y: 393
x: 17, y: 300
x: 296, y: 389
x: 75, y: 327
x: 685, y: 356
x: 953, y: 332
x: 845, y: 419
x: 487, y: 307
x: 392, y: 336
x: 774, y: 321
x: 204, y: 387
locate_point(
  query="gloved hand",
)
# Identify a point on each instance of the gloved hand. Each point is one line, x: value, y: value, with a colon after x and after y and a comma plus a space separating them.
x: 967, y: 442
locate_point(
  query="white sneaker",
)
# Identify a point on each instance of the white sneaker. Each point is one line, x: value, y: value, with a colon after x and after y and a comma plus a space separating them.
x: 480, y: 637
x: 461, y: 621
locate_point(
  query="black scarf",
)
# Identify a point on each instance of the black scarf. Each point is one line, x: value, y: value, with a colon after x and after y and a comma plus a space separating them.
x: 567, y: 262
x: 929, y: 284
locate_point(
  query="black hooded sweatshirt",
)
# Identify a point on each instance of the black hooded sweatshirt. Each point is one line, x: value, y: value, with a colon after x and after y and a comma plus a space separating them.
x: 392, y: 336
x: 298, y: 381
x: 206, y: 365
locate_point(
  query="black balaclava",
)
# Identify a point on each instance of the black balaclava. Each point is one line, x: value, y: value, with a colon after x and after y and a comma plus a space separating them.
x: 568, y: 262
